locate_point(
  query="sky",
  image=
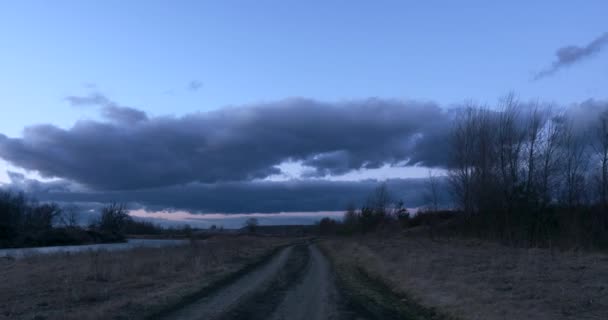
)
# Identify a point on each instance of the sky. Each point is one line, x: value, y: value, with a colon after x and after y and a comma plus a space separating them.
x: 83, y: 80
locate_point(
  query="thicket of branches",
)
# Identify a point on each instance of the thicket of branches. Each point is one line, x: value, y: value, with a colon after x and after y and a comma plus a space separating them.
x: 25, y: 222
x: 530, y: 174
x: 380, y: 212
x: 521, y: 173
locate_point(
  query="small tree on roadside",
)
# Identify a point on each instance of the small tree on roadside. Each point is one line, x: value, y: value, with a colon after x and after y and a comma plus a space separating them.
x: 432, y: 194
x: 251, y: 225
x: 401, y: 214
x: 351, y: 219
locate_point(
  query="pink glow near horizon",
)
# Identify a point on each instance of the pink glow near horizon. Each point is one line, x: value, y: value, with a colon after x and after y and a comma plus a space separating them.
x: 188, y: 216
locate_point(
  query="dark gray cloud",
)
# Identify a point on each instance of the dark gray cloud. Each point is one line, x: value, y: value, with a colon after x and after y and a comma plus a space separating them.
x: 129, y: 150
x: 109, y: 109
x: 571, y: 54
x: 124, y: 114
x: 195, y: 85
x: 232, y: 197
x: 93, y: 99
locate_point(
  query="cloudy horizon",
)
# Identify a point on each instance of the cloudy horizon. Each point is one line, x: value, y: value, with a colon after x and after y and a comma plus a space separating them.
x: 220, y: 112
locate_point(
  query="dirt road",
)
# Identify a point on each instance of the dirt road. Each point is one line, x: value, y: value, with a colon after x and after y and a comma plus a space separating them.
x: 314, y: 297
x: 297, y: 283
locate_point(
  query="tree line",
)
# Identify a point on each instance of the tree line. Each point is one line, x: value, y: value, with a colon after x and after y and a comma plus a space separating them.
x: 520, y: 173
x: 528, y: 173
x: 25, y: 222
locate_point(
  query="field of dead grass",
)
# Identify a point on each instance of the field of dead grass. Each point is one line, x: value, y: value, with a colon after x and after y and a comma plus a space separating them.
x: 120, y: 285
x: 471, y: 279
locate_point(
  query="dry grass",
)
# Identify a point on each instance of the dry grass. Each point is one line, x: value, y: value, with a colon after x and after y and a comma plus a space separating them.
x: 119, y: 285
x: 477, y: 280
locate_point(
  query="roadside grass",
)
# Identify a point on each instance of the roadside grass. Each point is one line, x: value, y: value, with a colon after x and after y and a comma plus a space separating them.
x: 472, y: 279
x: 121, y: 285
x: 371, y: 296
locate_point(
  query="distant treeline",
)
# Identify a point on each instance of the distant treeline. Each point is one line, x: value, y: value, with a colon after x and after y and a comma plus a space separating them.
x: 523, y: 174
x: 24, y: 222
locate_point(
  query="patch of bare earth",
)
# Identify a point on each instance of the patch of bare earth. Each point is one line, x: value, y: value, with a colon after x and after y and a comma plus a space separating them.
x: 479, y: 280
x: 128, y: 284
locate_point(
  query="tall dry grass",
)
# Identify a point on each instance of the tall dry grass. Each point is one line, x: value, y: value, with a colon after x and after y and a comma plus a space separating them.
x: 473, y: 279
x: 119, y: 285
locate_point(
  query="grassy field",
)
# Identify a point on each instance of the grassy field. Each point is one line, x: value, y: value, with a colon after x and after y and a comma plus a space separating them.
x: 121, y: 285
x: 470, y: 279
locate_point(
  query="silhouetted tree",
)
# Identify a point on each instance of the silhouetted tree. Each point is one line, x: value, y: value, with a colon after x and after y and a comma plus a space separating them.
x: 113, y: 220
x: 251, y: 225
x: 432, y: 194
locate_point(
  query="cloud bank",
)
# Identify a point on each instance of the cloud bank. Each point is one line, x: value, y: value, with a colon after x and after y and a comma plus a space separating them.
x: 232, y: 197
x: 218, y: 162
x: 128, y: 150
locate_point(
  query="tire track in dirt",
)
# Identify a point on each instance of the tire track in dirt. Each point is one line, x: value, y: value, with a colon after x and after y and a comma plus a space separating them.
x: 262, y: 304
x: 315, y: 297
x: 228, y: 297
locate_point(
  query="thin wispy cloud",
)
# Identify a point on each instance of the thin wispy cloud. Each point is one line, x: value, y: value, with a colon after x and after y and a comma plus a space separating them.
x: 195, y: 85
x: 571, y: 54
x: 109, y: 109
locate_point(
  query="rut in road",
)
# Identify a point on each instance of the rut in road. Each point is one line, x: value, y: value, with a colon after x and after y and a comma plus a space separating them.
x: 228, y: 297
x: 315, y: 297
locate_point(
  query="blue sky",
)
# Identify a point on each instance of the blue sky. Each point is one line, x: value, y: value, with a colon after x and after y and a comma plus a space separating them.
x: 144, y: 55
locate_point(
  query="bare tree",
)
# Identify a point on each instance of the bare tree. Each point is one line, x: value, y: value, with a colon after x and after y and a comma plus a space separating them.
x: 573, y: 164
x: 600, y: 148
x: 69, y: 216
x: 251, y: 225
x: 462, y: 152
x: 511, y: 137
x: 548, y: 153
x: 433, y: 191
x: 380, y: 200
x: 113, y: 219
x: 536, y: 122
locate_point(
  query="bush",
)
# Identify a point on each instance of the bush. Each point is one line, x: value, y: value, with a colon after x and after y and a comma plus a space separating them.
x: 251, y: 225
x: 113, y: 222
x: 327, y: 226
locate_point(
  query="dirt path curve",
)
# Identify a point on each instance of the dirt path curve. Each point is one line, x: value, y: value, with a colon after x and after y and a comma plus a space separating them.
x: 315, y: 297
x: 212, y: 307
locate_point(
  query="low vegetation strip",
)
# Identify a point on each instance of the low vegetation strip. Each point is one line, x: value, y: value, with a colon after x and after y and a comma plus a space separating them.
x: 472, y: 279
x: 129, y: 285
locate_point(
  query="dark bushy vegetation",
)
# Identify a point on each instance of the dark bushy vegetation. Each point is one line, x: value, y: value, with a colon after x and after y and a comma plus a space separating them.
x: 27, y: 223
x: 380, y: 213
x: 526, y: 175
x: 251, y: 225
x: 521, y: 174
